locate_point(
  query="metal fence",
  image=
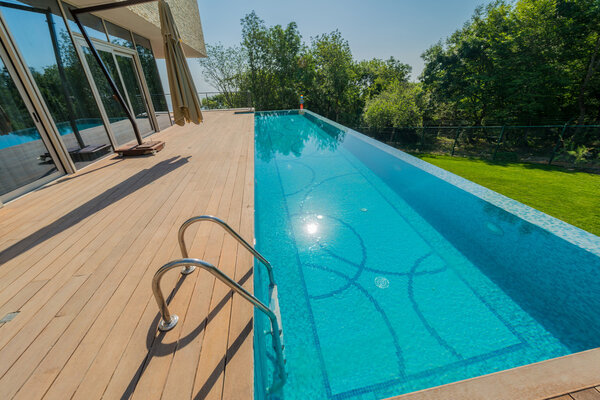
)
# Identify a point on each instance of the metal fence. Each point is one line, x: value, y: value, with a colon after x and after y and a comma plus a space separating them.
x: 220, y: 100
x: 566, y: 145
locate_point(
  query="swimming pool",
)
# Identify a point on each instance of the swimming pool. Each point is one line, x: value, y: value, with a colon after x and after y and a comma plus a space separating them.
x: 396, y: 276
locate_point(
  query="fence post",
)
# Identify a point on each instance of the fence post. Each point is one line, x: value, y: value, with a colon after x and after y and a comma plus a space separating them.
x: 456, y: 140
x: 423, y: 138
x: 558, y: 143
x: 500, y: 138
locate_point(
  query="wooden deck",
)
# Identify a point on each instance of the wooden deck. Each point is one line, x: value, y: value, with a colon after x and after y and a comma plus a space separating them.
x: 587, y: 394
x: 77, y: 258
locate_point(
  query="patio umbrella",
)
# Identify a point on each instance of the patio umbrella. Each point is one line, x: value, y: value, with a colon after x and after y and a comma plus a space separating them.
x: 186, y: 105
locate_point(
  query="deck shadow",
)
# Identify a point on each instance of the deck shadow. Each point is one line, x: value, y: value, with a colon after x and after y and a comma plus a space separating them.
x: 220, y: 368
x: 156, y: 347
x: 91, y: 207
x: 67, y: 178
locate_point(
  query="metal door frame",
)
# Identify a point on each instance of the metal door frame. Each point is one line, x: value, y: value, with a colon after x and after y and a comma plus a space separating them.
x: 115, y: 50
x: 118, y: 52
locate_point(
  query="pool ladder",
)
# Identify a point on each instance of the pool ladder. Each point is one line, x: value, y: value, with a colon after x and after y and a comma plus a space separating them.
x: 188, y: 265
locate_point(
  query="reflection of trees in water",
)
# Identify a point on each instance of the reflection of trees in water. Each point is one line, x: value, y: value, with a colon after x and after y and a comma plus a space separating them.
x: 286, y: 138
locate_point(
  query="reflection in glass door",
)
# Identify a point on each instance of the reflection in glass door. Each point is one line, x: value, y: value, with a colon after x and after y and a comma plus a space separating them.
x: 134, y: 92
x: 44, y: 44
x: 121, y: 67
x: 25, y: 161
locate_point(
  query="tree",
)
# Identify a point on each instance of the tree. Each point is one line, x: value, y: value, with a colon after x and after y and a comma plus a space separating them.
x: 375, y: 75
x: 273, y: 59
x: 333, y: 91
x: 524, y: 62
x: 224, y: 68
x: 399, y: 105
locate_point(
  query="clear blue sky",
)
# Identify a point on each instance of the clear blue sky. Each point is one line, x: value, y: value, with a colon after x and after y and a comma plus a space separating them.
x: 375, y: 28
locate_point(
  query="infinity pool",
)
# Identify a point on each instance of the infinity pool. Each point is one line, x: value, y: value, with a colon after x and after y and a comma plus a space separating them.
x: 392, y: 278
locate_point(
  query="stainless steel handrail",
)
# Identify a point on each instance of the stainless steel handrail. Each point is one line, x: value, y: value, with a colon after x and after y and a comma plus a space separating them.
x: 224, y: 225
x: 169, y: 320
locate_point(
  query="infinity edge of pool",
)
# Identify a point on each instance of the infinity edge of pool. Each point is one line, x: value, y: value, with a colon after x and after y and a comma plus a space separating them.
x: 542, y: 379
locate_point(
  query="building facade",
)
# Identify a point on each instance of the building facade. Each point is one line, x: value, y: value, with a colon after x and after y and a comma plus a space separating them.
x: 57, y: 111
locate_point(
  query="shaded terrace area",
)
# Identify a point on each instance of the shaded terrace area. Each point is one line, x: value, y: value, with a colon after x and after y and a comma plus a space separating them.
x: 76, y: 262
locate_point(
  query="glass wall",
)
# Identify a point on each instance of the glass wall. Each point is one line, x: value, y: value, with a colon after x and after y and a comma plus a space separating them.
x: 93, y: 25
x: 133, y: 90
x: 150, y: 69
x: 44, y: 42
x: 52, y: 55
x: 120, y: 125
x: 119, y: 36
x: 24, y: 159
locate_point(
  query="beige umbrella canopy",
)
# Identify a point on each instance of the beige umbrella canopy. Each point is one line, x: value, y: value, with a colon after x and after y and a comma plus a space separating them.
x: 186, y: 105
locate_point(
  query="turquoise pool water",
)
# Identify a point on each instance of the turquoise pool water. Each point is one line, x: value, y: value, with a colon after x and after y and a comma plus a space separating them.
x: 393, y: 280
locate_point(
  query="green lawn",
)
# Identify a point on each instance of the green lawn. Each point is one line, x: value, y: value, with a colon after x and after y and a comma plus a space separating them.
x: 571, y: 196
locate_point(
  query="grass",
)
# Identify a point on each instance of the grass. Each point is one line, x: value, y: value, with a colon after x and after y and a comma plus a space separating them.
x: 571, y: 196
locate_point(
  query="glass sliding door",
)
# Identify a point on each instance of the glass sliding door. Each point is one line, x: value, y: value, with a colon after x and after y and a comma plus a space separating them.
x: 120, y: 125
x: 121, y: 67
x: 25, y: 161
x: 41, y: 36
x: 134, y: 92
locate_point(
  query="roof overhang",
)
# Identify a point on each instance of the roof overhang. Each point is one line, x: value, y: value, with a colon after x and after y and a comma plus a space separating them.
x: 144, y: 20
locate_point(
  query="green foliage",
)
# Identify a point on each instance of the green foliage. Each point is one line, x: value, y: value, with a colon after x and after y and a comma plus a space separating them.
x: 276, y: 67
x: 152, y: 76
x: 523, y: 62
x: 273, y: 60
x: 527, y: 62
x: 225, y: 69
x: 331, y: 89
x: 14, y: 116
x: 375, y: 76
x: 579, y: 154
x: 398, y: 105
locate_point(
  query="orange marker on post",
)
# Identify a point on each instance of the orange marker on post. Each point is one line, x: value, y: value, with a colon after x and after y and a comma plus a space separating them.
x: 302, y: 102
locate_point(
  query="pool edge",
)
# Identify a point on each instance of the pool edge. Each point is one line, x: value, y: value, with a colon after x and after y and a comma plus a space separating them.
x: 541, y: 380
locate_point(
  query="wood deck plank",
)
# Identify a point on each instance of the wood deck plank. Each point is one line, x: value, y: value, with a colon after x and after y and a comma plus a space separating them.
x: 587, y: 394
x: 179, y: 383
x: 184, y: 207
x: 62, y: 273
x: 81, y: 327
x: 237, y: 380
x: 102, y: 367
x: 54, y: 232
x: 210, y: 369
x: 158, y: 367
x: 80, y: 272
